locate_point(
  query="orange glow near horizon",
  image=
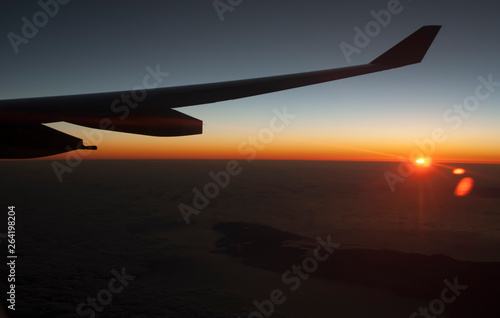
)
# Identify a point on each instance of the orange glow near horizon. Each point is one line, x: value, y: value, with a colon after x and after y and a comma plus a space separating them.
x: 179, y: 152
x: 285, y: 146
x: 459, y: 171
x: 197, y: 150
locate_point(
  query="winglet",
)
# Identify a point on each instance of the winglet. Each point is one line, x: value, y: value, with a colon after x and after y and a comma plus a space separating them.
x: 411, y: 50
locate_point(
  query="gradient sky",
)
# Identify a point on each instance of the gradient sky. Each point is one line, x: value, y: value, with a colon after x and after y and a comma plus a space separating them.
x: 99, y: 46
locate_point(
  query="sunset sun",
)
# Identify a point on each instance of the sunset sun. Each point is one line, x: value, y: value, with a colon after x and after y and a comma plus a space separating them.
x: 423, y: 162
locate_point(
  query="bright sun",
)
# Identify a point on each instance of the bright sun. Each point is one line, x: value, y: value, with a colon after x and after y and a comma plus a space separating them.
x: 423, y: 162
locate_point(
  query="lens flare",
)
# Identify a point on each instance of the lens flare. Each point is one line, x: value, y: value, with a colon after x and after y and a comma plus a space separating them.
x: 464, y: 187
x: 459, y: 171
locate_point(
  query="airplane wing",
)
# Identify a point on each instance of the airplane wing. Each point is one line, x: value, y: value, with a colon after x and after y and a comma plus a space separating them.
x: 23, y: 135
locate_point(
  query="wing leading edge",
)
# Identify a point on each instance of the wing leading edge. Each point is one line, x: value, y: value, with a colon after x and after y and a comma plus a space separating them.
x: 22, y: 134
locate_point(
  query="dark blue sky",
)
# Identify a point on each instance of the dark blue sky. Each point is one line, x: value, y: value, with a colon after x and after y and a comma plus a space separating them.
x: 96, y: 46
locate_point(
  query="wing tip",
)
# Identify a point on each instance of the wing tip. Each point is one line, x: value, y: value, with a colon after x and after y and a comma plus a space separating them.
x: 411, y: 50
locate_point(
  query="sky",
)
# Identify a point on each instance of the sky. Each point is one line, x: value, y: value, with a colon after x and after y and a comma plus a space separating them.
x: 102, y: 46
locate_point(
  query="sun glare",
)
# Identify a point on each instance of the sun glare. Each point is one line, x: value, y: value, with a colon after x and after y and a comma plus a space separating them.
x: 423, y: 162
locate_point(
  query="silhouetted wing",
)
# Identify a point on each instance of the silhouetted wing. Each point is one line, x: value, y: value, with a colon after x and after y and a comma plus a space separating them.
x: 154, y: 115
